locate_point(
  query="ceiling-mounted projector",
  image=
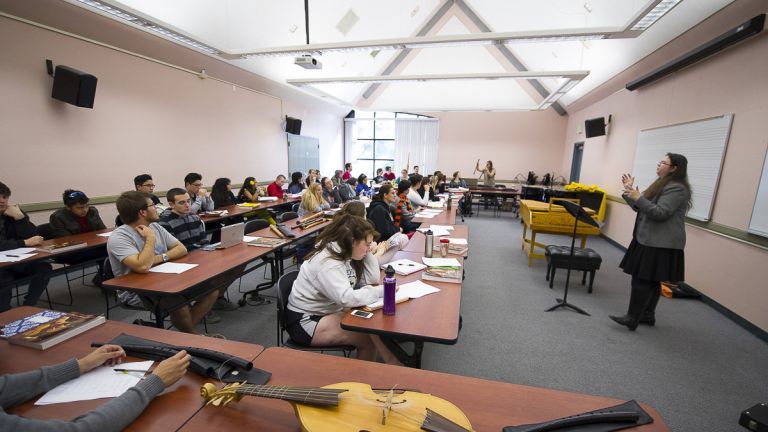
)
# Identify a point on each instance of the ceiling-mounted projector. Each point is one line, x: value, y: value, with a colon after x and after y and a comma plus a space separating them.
x: 307, y: 62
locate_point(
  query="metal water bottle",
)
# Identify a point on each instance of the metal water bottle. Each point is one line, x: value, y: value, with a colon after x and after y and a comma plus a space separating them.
x: 449, y: 201
x: 390, y: 286
x: 429, y: 243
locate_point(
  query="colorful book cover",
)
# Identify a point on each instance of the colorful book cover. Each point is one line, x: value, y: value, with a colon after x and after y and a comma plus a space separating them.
x: 26, y: 323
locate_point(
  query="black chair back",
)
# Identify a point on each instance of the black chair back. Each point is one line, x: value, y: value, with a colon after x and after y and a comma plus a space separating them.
x: 295, y: 207
x: 287, y: 216
x: 45, y: 231
x: 255, y: 225
x: 284, y: 287
x: 106, y: 272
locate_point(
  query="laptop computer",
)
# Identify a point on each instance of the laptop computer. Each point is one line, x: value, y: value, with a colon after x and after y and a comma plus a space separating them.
x: 231, y: 235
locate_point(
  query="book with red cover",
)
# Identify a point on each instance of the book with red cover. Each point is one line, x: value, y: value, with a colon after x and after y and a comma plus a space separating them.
x: 47, y: 334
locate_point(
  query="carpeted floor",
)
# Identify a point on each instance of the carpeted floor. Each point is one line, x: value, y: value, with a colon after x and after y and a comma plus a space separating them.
x: 696, y: 367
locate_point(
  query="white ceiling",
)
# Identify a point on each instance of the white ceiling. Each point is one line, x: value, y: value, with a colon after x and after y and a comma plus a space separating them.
x: 252, y: 24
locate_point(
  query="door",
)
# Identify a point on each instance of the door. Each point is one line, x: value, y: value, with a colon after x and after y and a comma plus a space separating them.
x: 578, y: 150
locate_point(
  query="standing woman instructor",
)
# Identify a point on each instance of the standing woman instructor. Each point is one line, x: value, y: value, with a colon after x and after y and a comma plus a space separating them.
x: 656, y: 251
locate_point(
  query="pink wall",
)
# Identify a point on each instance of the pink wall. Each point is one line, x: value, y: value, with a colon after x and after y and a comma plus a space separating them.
x: 516, y: 142
x: 733, y: 81
x: 147, y: 118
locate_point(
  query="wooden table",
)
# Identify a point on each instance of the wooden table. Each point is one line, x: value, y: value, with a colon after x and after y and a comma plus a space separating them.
x: 168, y: 411
x: 91, y: 239
x: 447, y: 217
x: 210, y: 264
x: 489, y: 405
x: 432, y: 318
x: 545, y: 218
x: 236, y: 210
x: 416, y: 243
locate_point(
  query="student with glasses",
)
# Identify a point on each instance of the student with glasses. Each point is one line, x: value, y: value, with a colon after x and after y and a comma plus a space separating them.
x: 144, y: 183
x: 17, y: 231
x: 141, y: 244
x: 200, y: 199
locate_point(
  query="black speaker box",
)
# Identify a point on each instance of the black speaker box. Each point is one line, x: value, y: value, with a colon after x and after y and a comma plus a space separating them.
x: 293, y: 125
x: 74, y: 87
x: 594, y: 127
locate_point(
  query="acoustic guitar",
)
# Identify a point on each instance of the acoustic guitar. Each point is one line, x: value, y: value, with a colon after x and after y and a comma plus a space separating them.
x: 352, y: 407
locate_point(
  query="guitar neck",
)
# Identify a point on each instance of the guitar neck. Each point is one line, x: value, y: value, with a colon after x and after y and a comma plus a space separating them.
x: 303, y: 395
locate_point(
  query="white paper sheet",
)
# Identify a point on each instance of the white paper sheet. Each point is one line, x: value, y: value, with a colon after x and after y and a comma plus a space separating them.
x: 457, y: 241
x: 247, y: 239
x: 441, y: 262
x: 425, y: 215
x: 417, y: 289
x: 106, y: 234
x: 170, y: 267
x: 446, y: 227
x: 18, y: 251
x: 436, y: 231
x: 405, y: 267
x: 102, y: 382
x: 8, y: 258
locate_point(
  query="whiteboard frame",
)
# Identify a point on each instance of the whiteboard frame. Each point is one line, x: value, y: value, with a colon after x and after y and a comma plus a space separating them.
x: 763, y: 184
x: 729, y: 125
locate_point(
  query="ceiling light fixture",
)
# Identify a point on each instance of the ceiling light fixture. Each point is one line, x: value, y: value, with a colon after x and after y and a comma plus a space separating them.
x: 145, y: 23
x: 654, y: 14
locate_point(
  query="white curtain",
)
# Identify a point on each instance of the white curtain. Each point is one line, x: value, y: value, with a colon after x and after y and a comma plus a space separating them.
x: 350, y: 136
x: 416, y: 139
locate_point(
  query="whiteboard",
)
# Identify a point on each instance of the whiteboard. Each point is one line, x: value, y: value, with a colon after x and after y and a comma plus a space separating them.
x: 303, y: 153
x: 758, y: 224
x: 702, y: 142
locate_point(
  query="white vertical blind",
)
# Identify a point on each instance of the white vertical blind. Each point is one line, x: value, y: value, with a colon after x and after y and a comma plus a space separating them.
x: 417, y: 138
x: 702, y: 142
x: 758, y: 224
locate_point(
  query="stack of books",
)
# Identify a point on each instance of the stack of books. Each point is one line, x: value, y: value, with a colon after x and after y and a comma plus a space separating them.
x: 57, y: 248
x: 442, y: 270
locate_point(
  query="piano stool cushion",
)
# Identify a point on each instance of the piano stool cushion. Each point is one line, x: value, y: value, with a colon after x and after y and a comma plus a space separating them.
x: 583, y: 259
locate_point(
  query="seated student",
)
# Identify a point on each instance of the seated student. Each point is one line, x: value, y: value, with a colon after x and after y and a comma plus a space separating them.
x: 250, y: 193
x: 388, y: 174
x: 113, y: 415
x: 190, y: 231
x: 403, y: 176
x: 362, y: 185
x: 275, y: 189
x: 336, y: 179
x: 76, y: 217
x: 347, y: 171
x: 325, y: 288
x: 427, y: 189
x: 296, y: 186
x: 330, y: 193
x: 17, y: 231
x: 141, y: 244
x: 441, y: 184
x: 144, y: 183
x: 457, y: 181
x: 221, y: 193
x: 199, y: 198
x: 415, y: 169
x: 312, y: 177
x: 379, y: 213
x: 417, y: 182
x: 379, y: 178
x: 403, y: 213
x: 312, y: 201
x: 347, y: 190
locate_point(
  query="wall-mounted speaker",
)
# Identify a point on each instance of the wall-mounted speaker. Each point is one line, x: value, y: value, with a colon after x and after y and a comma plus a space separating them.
x: 74, y: 87
x: 594, y: 127
x: 293, y: 125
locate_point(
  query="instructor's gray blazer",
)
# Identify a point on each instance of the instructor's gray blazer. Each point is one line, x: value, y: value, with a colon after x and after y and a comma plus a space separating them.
x: 661, y: 221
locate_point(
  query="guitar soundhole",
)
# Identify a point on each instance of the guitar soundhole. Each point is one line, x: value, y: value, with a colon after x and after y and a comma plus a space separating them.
x: 363, y: 430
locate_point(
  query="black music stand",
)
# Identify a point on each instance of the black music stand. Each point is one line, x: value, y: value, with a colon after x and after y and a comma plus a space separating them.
x: 579, y: 214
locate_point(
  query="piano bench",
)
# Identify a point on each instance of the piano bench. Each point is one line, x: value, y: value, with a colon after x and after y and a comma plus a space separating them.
x: 584, y: 260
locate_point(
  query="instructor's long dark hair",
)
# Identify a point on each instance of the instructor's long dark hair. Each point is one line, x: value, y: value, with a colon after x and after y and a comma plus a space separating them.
x: 679, y: 175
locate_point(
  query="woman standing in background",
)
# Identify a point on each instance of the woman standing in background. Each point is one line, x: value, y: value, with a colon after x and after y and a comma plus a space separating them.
x: 656, y: 251
x: 489, y: 172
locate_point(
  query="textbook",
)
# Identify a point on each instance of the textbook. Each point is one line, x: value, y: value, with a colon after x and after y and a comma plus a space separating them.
x: 453, y: 248
x: 62, y: 247
x: 248, y: 204
x: 48, y: 328
x: 267, y: 242
x: 442, y: 274
x: 404, y: 267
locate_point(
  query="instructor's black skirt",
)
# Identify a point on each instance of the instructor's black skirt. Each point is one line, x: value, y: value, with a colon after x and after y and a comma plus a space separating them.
x: 654, y: 264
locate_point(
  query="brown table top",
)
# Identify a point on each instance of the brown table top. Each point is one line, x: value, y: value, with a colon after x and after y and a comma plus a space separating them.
x: 236, y: 210
x: 489, y: 405
x: 92, y: 240
x: 168, y: 411
x: 416, y: 243
x: 432, y: 318
x: 447, y: 217
x: 210, y: 265
x: 291, y: 224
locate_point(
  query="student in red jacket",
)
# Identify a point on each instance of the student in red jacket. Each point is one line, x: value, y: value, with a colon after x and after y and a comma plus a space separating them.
x: 275, y: 188
x: 347, y: 171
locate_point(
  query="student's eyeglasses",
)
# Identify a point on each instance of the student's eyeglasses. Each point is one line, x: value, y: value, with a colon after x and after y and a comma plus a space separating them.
x: 197, y: 184
x: 663, y: 163
x: 149, y: 205
x: 149, y: 185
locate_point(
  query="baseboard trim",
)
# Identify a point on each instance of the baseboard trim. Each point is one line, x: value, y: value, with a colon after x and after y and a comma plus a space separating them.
x: 731, y: 315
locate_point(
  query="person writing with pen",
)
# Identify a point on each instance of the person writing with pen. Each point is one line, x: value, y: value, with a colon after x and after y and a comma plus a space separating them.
x: 114, y: 415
